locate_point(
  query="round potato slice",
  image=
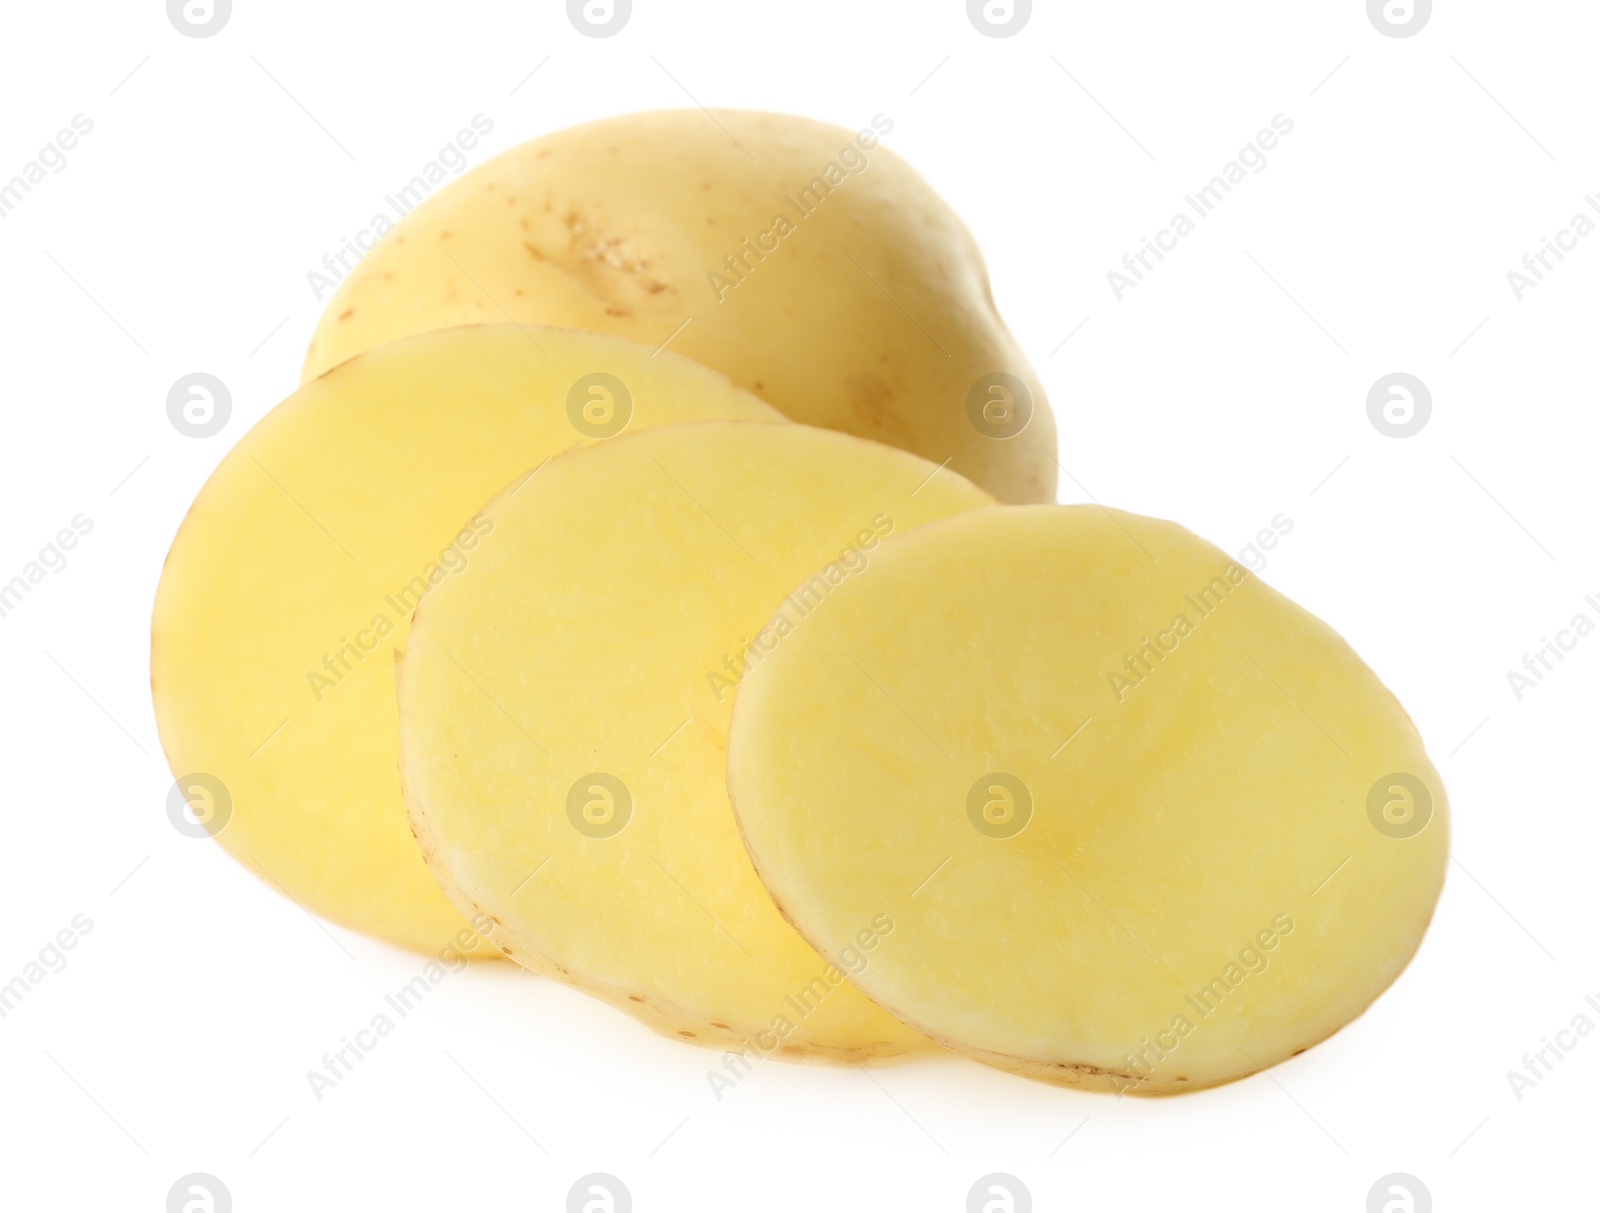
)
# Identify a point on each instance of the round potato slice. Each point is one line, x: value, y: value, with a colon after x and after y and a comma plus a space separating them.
x: 564, y: 709
x: 1142, y: 823
x: 294, y: 575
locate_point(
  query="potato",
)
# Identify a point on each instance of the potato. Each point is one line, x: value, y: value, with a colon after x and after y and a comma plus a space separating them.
x: 564, y: 708
x: 1142, y: 823
x: 294, y: 576
x: 810, y: 264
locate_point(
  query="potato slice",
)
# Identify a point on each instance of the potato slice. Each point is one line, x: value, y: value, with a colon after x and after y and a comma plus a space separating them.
x: 1141, y: 823
x: 564, y: 709
x: 809, y: 263
x: 295, y: 573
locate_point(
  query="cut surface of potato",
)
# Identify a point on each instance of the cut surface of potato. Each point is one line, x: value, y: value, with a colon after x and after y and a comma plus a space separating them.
x: 292, y: 581
x: 1142, y: 823
x: 564, y: 708
x: 809, y: 263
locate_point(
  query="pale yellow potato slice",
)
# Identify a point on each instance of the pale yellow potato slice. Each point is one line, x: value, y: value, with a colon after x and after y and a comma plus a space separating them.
x: 564, y: 708
x: 1141, y: 823
x: 292, y: 581
x: 809, y: 263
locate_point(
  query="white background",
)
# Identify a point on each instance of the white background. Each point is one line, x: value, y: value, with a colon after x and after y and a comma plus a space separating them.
x: 1227, y: 388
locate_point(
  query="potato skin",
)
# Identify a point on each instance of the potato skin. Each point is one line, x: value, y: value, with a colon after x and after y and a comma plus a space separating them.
x: 808, y: 263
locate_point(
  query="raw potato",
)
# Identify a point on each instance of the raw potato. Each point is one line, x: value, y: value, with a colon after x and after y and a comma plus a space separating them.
x: 564, y: 708
x: 870, y: 314
x: 294, y: 575
x: 1148, y: 865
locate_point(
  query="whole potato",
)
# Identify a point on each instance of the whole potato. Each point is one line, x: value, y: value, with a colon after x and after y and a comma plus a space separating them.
x: 808, y: 263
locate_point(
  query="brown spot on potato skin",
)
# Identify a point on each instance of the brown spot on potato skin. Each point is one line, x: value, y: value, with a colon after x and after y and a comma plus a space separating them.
x: 347, y: 313
x: 872, y: 403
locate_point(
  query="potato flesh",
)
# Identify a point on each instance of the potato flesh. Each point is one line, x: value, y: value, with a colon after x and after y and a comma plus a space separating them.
x: 873, y: 316
x: 594, y: 635
x: 318, y: 525
x: 1180, y: 822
